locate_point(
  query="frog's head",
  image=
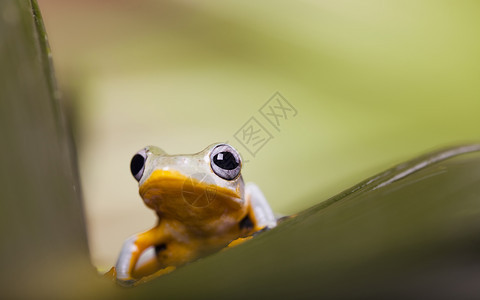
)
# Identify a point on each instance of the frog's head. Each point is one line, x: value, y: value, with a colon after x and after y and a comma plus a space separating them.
x: 207, y: 183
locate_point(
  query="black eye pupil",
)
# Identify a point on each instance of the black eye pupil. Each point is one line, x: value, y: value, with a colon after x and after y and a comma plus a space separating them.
x: 225, y: 160
x: 137, y: 164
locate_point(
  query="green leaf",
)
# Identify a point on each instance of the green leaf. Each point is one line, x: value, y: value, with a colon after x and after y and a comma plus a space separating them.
x: 44, y: 247
x: 412, y: 230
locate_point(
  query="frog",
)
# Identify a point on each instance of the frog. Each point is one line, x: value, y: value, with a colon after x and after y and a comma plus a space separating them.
x: 202, y: 206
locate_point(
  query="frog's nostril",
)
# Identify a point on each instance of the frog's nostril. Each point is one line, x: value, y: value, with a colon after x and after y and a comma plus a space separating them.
x: 137, y: 165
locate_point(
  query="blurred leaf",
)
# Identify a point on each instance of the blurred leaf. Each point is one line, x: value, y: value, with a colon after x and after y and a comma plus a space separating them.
x: 44, y: 247
x: 413, y: 230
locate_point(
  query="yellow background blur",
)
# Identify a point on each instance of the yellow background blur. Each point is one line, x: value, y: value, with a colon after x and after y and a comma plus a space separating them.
x: 374, y: 83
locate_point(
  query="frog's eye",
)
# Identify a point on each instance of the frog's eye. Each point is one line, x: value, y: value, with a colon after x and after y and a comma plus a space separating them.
x: 137, y: 165
x: 225, y: 162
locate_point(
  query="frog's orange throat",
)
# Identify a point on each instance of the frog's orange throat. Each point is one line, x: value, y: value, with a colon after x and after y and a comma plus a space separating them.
x: 175, y: 196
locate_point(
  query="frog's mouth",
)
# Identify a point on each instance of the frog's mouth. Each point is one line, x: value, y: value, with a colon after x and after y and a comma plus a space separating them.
x: 168, y: 191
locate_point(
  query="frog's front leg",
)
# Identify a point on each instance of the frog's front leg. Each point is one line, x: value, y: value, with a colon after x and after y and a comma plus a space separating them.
x: 260, y: 212
x: 259, y: 215
x: 133, y: 248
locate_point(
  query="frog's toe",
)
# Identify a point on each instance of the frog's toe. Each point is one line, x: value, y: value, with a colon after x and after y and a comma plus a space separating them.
x: 157, y: 274
x: 126, y: 282
x: 238, y: 241
x: 111, y: 274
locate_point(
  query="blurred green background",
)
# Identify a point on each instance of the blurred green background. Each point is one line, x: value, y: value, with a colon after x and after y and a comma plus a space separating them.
x: 374, y: 83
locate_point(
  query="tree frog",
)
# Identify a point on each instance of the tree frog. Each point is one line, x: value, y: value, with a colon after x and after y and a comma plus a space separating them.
x: 202, y: 206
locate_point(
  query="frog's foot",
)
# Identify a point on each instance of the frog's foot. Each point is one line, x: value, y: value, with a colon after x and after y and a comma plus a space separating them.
x: 159, y: 273
x: 111, y: 274
x: 237, y: 242
x: 131, y: 282
x: 127, y: 282
x: 260, y: 211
